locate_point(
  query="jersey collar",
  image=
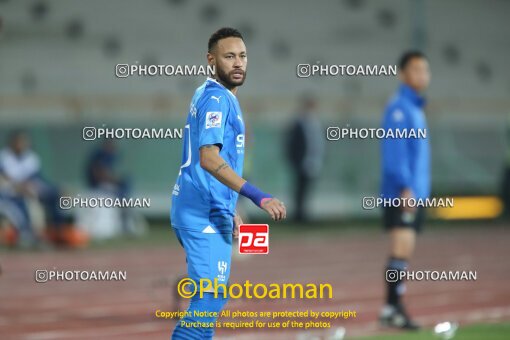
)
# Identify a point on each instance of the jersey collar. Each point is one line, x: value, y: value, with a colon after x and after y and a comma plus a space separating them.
x: 411, y: 94
x: 220, y: 84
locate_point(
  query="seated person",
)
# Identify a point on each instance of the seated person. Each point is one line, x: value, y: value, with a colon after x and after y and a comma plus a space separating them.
x: 21, y: 178
x: 102, y: 175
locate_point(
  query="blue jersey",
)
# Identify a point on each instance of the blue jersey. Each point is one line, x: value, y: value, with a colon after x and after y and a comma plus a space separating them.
x: 405, y: 162
x: 199, y: 201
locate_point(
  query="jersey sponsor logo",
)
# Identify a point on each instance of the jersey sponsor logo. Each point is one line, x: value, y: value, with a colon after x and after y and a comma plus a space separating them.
x: 176, y: 190
x: 254, y: 239
x: 222, y: 268
x: 193, y: 110
x: 240, y: 144
x: 213, y: 120
x: 240, y: 141
x: 216, y: 98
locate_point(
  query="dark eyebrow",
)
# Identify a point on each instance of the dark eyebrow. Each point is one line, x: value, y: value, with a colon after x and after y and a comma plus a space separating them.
x: 227, y: 53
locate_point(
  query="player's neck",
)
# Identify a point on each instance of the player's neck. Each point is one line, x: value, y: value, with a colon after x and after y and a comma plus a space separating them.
x: 232, y: 89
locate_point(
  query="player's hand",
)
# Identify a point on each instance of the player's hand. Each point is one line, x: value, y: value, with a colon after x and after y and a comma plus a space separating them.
x: 275, y: 208
x: 407, y: 194
x: 237, y: 222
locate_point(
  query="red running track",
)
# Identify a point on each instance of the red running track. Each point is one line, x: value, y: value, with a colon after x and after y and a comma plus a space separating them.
x: 351, y: 262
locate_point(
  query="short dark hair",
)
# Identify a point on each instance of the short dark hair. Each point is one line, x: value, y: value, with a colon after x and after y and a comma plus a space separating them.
x: 222, y: 33
x: 407, y: 56
x: 15, y: 134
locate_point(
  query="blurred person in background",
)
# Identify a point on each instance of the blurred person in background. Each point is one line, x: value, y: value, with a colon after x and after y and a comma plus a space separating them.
x: 405, y: 175
x: 15, y: 224
x: 21, y: 180
x: 304, y: 148
x: 102, y: 170
x: 102, y: 173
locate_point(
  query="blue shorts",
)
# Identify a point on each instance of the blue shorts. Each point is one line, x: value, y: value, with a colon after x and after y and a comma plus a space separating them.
x: 208, y: 254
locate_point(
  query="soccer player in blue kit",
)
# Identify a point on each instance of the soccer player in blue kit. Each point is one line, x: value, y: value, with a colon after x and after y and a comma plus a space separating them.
x: 210, y: 180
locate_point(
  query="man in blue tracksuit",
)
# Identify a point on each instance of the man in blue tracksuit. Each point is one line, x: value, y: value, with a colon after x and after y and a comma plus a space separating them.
x: 405, y: 175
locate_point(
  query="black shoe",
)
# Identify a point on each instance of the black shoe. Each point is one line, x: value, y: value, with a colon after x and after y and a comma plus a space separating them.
x: 396, y: 316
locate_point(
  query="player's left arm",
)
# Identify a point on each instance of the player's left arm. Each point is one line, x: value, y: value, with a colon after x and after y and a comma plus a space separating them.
x: 212, y: 162
x: 212, y: 118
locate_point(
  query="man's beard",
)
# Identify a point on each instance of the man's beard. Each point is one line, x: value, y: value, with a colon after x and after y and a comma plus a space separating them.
x: 224, y: 78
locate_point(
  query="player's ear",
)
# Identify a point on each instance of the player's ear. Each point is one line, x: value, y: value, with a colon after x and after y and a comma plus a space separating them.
x: 210, y: 59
